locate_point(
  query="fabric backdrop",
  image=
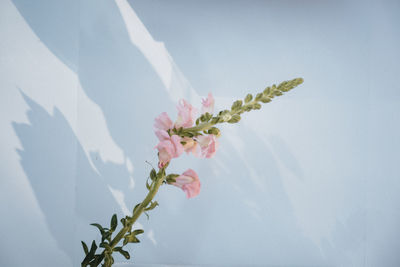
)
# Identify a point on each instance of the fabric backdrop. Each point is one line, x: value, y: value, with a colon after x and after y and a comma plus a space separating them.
x: 311, y: 179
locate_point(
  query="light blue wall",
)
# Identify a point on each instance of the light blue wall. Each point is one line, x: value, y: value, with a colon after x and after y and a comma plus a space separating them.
x: 311, y: 179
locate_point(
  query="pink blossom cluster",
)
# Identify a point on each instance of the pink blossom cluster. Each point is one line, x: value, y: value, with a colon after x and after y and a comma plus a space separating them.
x: 172, y: 146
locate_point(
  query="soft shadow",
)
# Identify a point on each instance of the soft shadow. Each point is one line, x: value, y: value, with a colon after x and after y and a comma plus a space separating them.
x: 347, y: 245
x: 56, y: 23
x: 286, y: 156
x: 49, y: 158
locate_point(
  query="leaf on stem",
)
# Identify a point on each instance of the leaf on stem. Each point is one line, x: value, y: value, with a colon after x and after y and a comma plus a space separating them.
x: 153, y: 174
x: 153, y: 204
x: 90, y: 254
x: 101, y: 229
x: 138, y: 232
x: 114, y: 222
x: 85, y: 248
x: 123, y: 252
x: 130, y: 238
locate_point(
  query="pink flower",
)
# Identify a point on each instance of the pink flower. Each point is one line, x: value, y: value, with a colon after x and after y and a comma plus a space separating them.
x: 190, y: 146
x: 186, y: 114
x: 162, y: 135
x: 163, y: 122
x: 169, y: 148
x: 208, y: 104
x: 189, y: 182
x: 208, y: 145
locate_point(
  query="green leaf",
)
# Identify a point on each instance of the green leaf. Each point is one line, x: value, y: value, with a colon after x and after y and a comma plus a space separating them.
x: 114, y: 222
x: 93, y: 248
x: 138, y: 232
x: 101, y: 229
x: 123, y: 252
x: 148, y: 186
x: 97, y: 260
x: 106, y: 236
x: 152, y: 206
x: 248, y: 98
x: 105, y: 245
x: 85, y: 248
x: 153, y: 174
x: 130, y: 238
x: 89, y: 255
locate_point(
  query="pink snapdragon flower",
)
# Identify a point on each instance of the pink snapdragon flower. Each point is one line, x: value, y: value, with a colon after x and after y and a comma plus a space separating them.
x: 190, y: 146
x: 162, y: 135
x: 169, y: 148
x: 208, y: 104
x: 208, y: 145
x: 186, y: 114
x: 163, y: 122
x: 189, y: 182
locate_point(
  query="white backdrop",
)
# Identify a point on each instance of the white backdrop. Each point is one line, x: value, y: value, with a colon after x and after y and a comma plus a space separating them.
x: 311, y: 179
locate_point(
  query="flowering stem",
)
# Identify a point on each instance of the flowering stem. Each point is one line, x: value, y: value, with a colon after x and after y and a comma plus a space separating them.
x: 169, y: 148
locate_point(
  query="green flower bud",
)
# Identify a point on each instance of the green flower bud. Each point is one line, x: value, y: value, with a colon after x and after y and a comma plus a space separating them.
x: 267, y: 91
x: 259, y: 96
x: 215, y: 131
x: 237, y: 105
x: 257, y: 106
x: 248, y: 98
x: 265, y: 99
x: 225, y: 117
x: 235, y: 118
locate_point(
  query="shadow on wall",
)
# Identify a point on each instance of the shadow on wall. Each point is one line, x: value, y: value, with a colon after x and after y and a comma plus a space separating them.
x: 56, y: 23
x: 49, y: 159
x: 348, y: 244
x: 112, y: 71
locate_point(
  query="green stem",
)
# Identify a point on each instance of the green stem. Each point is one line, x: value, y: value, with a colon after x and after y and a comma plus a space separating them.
x: 204, y: 126
x: 201, y: 127
x: 139, y: 210
x: 136, y: 214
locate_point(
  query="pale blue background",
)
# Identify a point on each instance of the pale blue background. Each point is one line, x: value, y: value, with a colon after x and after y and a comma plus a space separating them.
x: 310, y: 180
